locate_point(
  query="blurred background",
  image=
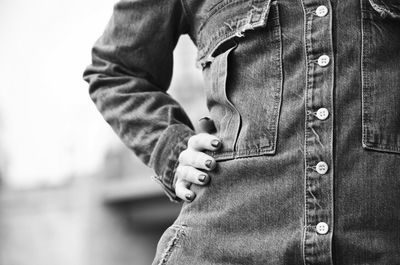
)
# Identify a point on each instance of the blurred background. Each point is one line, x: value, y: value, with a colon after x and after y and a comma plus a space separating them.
x: 70, y: 192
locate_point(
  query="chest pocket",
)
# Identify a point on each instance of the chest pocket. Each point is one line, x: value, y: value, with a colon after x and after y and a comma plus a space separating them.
x: 381, y: 75
x: 240, y: 55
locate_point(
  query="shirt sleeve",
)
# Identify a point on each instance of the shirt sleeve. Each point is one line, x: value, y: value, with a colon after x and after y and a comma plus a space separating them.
x: 129, y: 77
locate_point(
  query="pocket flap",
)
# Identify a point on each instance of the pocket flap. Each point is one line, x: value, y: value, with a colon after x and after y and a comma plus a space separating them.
x: 226, y: 20
x: 387, y: 8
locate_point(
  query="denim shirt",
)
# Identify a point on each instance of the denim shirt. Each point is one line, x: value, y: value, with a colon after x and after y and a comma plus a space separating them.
x: 305, y: 95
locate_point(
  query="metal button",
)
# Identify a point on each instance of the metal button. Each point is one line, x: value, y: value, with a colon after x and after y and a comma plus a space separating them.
x: 322, y: 167
x: 322, y: 113
x: 322, y: 228
x: 321, y: 11
x: 323, y: 60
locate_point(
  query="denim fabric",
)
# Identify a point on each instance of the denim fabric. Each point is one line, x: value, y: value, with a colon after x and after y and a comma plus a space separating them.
x: 306, y: 100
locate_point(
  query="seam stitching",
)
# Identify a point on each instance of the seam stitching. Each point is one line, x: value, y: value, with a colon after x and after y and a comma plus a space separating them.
x: 171, y: 246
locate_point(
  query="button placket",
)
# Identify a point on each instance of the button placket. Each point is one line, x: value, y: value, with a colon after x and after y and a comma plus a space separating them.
x: 317, y: 245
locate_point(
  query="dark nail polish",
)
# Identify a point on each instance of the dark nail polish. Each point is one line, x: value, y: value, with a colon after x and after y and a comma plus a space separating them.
x: 188, y: 196
x: 215, y: 143
x: 202, y: 178
x: 208, y: 163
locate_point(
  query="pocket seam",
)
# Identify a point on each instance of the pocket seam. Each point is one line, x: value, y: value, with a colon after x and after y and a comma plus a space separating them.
x: 367, y: 85
x: 260, y: 148
x: 231, y: 114
x: 172, y: 243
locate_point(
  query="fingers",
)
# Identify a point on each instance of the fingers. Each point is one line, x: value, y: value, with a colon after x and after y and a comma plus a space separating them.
x: 202, y: 141
x: 182, y: 190
x: 192, y: 175
x: 196, y: 159
x: 187, y: 175
x: 191, y: 160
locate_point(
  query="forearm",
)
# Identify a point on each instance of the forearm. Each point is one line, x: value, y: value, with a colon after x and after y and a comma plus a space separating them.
x: 128, y: 80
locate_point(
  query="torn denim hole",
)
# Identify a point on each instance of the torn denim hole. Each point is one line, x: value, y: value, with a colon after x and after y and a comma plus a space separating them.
x: 244, y: 24
x: 221, y: 48
x: 257, y: 9
x: 243, y: 29
x: 241, y: 25
x: 228, y: 25
x: 232, y: 26
x: 256, y: 13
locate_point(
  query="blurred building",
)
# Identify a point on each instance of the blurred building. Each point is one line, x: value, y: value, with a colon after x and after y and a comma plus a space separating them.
x: 3, y: 159
x: 113, y: 216
x: 93, y: 220
x: 72, y: 194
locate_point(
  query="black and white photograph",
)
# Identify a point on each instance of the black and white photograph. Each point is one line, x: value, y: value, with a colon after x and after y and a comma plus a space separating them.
x: 200, y: 132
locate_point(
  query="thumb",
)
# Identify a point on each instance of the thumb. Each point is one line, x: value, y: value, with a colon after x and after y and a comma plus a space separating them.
x: 207, y: 125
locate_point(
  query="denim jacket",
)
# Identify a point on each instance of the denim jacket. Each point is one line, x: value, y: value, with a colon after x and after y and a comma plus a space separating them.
x: 132, y: 68
x: 305, y: 95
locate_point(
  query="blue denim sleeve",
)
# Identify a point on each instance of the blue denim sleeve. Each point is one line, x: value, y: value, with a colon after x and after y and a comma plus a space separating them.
x: 129, y: 77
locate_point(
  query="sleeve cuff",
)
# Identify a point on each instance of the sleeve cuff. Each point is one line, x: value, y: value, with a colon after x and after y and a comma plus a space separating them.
x: 164, y: 159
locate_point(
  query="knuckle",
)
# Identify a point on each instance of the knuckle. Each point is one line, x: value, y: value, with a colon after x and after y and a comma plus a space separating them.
x: 185, y: 157
x: 192, y: 171
x: 199, y: 140
x: 197, y: 159
x: 178, y: 171
x: 205, y: 157
x: 192, y: 174
x: 193, y: 161
x: 185, y: 172
x: 193, y: 140
x: 180, y: 187
x: 203, y: 135
x: 182, y: 156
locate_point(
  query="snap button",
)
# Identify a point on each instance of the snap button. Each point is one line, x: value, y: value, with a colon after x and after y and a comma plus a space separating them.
x: 322, y: 167
x: 322, y: 113
x: 323, y: 60
x: 321, y: 11
x: 322, y: 228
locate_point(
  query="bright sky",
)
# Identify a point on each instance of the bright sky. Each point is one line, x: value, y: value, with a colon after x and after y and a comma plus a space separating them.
x: 49, y: 128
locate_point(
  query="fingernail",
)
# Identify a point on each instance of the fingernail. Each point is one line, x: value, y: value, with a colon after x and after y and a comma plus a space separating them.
x: 215, y: 143
x: 208, y: 163
x: 188, y: 196
x: 202, y: 178
x: 204, y: 118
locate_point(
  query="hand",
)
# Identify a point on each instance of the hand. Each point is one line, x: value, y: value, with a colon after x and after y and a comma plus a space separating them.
x: 191, y: 160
